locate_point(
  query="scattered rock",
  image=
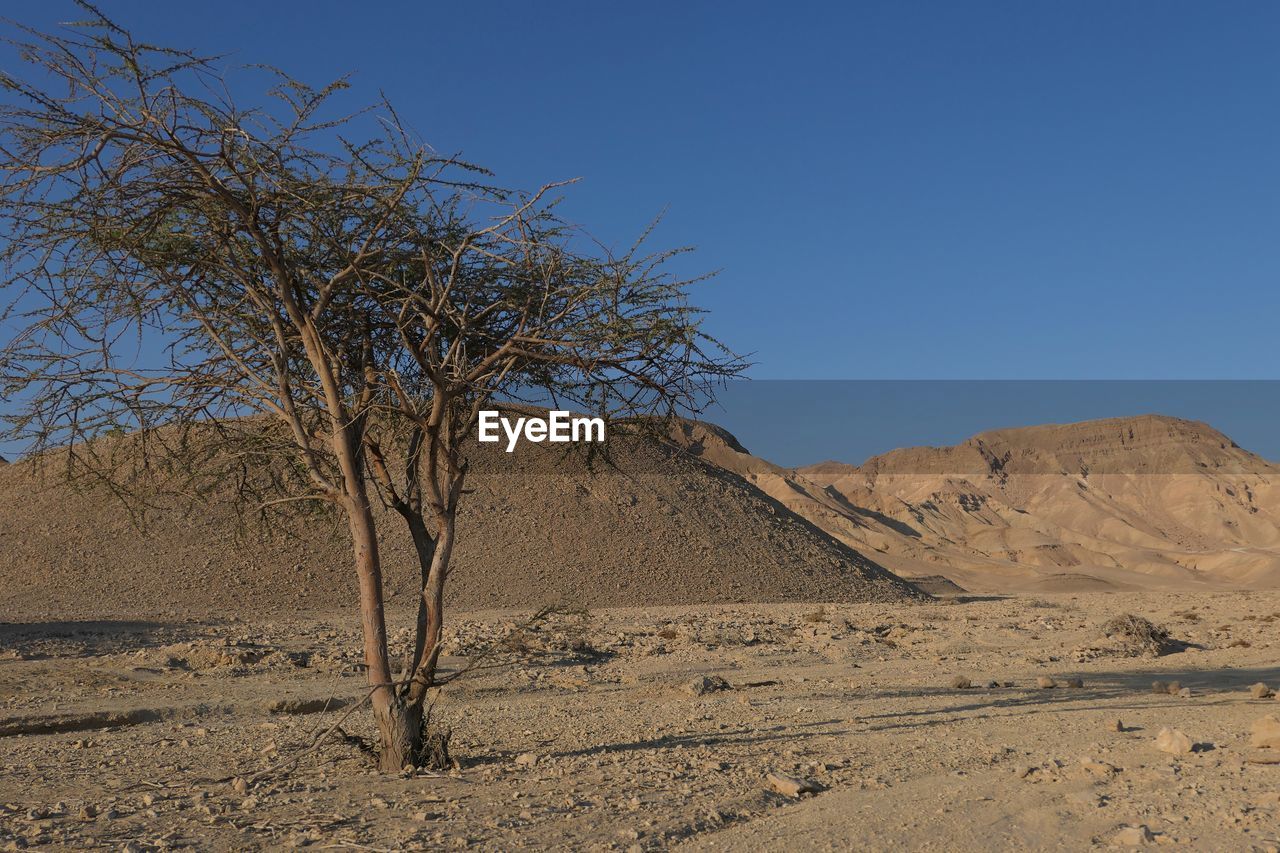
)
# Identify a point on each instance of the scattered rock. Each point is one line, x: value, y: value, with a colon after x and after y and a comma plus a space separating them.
x: 1265, y: 733
x: 704, y: 684
x: 1097, y: 768
x: 1261, y: 691
x: 1173, y: 742
x: 1044, y: 682
x: 790, y: 786
x: 1133, y: 836
x: 961, y: 683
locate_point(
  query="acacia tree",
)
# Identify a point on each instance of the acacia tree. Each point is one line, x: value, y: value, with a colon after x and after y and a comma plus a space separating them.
x: 314, y: 318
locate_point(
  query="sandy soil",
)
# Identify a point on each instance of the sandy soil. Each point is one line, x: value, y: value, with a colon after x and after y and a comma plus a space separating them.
x: 595, y: 737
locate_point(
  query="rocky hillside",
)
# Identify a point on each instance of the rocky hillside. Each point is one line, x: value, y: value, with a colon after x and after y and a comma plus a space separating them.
x: 1129, y: 501
x: 656, y: 526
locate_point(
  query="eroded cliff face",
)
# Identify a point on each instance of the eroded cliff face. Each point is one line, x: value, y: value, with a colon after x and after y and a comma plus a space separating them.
x: 1141, y: 502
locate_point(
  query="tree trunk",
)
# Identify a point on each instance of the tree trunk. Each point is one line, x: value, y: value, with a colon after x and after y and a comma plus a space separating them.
x: 433, y: 606
x: 399, y: 733
x: 425, y: 546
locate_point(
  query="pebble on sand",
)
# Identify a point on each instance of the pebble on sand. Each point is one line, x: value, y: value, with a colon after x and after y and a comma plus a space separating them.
x: 704, y: 684
x: 1265, y: 733
x: 790, y: 786
x: 1133, y: 836
x: 1173, y: 742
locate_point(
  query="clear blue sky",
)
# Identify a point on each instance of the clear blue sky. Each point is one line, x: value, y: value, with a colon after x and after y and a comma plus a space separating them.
x: 891, y: 189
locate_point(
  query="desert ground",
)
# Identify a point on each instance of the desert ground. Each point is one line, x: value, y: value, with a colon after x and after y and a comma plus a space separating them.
x: 658, y: 728
x: 191, y: 685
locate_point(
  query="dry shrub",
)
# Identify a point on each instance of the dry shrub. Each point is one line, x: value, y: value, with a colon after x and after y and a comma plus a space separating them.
x: 1140, y: 636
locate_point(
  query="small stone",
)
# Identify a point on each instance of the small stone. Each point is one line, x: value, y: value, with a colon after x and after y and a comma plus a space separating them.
x: 790, y: 786
x: 704, y: 684
x: 1044, y: 682
x: 1097, y: 768
x: 1265, y: 733
x: 1133, y: 836
x: 526, y: 759
x: 960, y: 683
x: 1085, y: 798
x: 1185, y: 693
x: 1173, y: 742
x: 248, y: 804
x: 1260, y: 691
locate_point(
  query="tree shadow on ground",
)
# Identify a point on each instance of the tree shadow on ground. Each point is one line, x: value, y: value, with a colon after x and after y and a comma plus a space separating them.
x: 1218, y: 685
x: 86, y: 638
x: 741, y: 736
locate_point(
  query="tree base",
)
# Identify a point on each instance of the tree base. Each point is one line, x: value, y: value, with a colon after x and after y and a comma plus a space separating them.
x: 407, y: 742
x: 399, y: 736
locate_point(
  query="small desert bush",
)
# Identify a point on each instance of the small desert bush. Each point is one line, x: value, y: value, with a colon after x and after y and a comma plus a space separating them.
x: 1139, y: 635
